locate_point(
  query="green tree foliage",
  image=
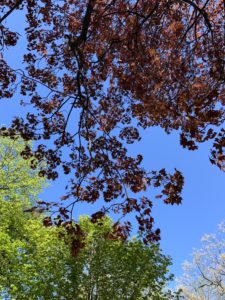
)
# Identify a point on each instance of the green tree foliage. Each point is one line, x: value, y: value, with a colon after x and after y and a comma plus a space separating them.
x: 32, y: 258
x: 38, y: 262
x: 114, y: 269
x: 33, y: 261
x: 17, y: 180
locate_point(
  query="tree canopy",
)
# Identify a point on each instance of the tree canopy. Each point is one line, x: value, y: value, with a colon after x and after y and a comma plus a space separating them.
x: 39, y: 262
x: 95, y: 72
x: 204, y: 276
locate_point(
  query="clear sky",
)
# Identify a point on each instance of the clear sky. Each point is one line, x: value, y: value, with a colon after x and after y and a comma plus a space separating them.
x: 204, y: 191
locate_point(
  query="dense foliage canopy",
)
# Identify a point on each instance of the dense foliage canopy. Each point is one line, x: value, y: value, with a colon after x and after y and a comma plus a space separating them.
x: 96, y: 71
x: 38, y: 262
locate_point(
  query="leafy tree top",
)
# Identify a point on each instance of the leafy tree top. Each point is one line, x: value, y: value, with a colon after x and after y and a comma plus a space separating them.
x: 37, y: 262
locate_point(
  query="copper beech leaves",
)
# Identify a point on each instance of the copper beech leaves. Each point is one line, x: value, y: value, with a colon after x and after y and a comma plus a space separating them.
x: 95, y: 73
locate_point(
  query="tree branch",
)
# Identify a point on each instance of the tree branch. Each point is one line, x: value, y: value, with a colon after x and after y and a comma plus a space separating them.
x: 201, y: 11
x: 11, y: 10
x: 86, y: 22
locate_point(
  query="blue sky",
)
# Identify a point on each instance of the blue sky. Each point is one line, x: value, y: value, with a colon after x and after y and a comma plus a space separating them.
x: 203, y: 195
x: 204, y: 191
